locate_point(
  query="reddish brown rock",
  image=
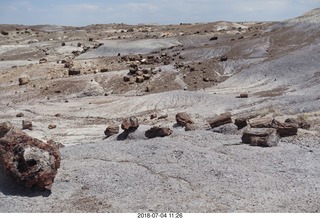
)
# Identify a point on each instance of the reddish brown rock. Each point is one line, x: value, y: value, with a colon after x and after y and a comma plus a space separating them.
x: 29, y: 161
x: 266, y: 122
x: 264, y: 137
x: 241, y: 122
x: 286, y: 129
x: 74, y: 71
x: 130, y: 124
x: 111, y: 130
x: 153, y: 116
x: 20, y: 115
x: 183, y: 118
x: 301, y: 122
x: 156, y: 131
x: 43, y: 60
x: 52, y: 126
x: 24, y: 80
x: 26, y: 124
x: 222, y: 119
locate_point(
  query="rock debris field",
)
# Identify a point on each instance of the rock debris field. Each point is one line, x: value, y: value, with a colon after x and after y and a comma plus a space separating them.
x: 204, y: 118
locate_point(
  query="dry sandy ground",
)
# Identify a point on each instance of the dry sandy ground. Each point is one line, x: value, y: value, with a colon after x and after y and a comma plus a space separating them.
x: 277, y: 64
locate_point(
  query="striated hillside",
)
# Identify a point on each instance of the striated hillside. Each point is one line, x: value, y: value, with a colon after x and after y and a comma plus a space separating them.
x: 123, y: 70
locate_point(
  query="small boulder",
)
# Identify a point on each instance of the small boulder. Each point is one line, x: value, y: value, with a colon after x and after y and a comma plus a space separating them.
x: 139, y: 79
x: 26, y: 124
x: 224, y: 58
x: 241, y: 122
x: 52, y: 126
x: 153, y: 116
x: 130, y: 124
x: 20, y: 115
x: 222, y: 119
x: 43, y: 60
x: 112, y: 129
x: 24, y: 80
x: 264, y: 137
x: 133, y: 68
x: 183, y: 118
x: 74, y: 71
x: 156, y: 131
x: 214, y: 38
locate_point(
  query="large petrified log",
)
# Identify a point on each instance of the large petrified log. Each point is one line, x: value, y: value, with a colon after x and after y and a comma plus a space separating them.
x: 156, y: 131
x: 265, y: 137
x: 29, y: 161
x: 222, y: 119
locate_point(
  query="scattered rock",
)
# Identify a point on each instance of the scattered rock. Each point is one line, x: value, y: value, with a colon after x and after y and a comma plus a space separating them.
x: 163, y: 116
x: 156, y: 131
x: 27, y: 160
x: 153, y: 116
x: 130, y: 124
x: 104, y: 70
x: 126, y: 78
x: 224, y: 58
x: 183, y: 118
x: 43, y: 60
x: 26, y: 124
x: 5, y: 33
x: 112, y: 129
x: 139, y: 79
x: 20, y: 115
x: 264, y: 137
x: 4, y: 128
x: 222, y: 119
x: 213, y: 38
x: 68, y: 64
x: 24, y: 80
x: 52, y: 126
x: 133, y: 68
x: 74, y: 71
x: 243, y: 95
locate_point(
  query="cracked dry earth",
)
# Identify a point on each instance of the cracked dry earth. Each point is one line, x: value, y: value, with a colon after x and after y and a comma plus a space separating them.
x: 276, y: 63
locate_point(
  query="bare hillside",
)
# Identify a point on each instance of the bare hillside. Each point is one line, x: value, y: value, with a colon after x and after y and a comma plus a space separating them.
x: 82, y: 79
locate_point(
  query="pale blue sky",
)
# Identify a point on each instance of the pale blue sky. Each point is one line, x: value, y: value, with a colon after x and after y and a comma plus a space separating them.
x: 84, y: 12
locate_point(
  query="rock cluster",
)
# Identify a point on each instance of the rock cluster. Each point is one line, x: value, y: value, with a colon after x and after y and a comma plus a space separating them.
x: 29, y: 161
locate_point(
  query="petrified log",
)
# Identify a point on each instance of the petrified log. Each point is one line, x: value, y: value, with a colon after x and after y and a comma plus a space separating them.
x: 241, y: 122
x: 74, y: 71
x: 156, y: 131
x: 264, y: 137
x: 183, y: 118
x: 286, y: 129
x: 130, y: 124
x: 111, y: 130
x: 222, y: 119
x: 301, y: 122
x: 266, y: 122
x: 29, y: 161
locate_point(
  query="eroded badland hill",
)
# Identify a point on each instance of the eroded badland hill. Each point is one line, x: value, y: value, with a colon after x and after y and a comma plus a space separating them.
x: 73, y: 82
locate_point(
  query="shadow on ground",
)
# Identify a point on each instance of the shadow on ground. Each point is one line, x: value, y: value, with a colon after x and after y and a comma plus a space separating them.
x: 10, y: 188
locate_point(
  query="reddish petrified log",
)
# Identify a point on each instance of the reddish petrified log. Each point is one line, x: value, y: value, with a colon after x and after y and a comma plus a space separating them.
x: 29, y: 161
